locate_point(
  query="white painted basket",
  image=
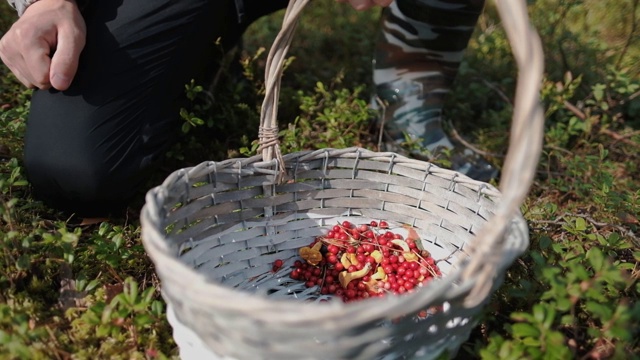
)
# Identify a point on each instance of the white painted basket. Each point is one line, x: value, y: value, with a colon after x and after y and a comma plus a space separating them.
x: 214, y: 231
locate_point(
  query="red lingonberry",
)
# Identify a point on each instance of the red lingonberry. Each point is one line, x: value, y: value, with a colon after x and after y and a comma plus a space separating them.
x: 333, y: 249
x: 373, y: 223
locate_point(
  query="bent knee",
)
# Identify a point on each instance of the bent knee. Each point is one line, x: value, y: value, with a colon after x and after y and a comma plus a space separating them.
x: 77, y: 183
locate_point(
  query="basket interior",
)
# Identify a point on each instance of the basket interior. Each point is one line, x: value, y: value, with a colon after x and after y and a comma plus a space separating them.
x: 231, y: 226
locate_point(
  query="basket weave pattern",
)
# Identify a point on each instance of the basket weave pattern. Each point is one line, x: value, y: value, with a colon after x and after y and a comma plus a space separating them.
x: 216, y: 213
x: 214, y: 231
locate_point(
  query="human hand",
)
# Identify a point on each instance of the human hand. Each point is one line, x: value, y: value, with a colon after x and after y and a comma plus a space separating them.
x: 366, y: 4
x: 43, y: 46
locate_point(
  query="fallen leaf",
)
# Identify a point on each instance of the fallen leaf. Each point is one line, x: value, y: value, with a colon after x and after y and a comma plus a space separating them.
x: 627, y: 218
x: 412, y: 234
x: 312, y: 254
x: 112, y: 291
x: 92, y: 221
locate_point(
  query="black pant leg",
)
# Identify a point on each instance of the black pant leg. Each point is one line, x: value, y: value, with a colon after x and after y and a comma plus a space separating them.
x: 89, y: 149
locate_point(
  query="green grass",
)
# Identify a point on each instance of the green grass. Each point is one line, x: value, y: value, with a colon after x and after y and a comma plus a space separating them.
x: 574, y: 294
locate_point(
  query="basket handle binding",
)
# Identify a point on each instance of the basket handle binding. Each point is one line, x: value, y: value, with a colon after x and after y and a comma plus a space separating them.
x: 525, y: 143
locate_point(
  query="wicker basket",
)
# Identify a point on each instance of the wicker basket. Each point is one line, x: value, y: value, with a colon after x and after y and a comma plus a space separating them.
x: 214, y: 231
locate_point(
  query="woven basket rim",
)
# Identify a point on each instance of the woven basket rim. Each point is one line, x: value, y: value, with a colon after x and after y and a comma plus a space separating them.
x: 152, y: 229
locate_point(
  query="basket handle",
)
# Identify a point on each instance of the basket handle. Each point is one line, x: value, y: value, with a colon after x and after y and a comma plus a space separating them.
x: 268, y: 131
x: 525, y: 146
x: 525, y: 143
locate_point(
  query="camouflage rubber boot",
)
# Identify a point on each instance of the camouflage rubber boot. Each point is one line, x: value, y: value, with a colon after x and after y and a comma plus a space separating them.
x: 418, y: 52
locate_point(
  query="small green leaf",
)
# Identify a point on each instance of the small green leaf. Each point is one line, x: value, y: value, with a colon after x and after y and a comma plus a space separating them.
x: 550, y: 317
x: 103, y: 330
x: 92, y: 285
x: 567, y: 320
x: 598, y: 91
x: 523, y: 330
x: 596, y: 258
x: 564, y: 304
x: 538, y: 313
x: 157, y: 308
x: 531, y: 341
x: 545, y: 242
x: 143, y: 320
x: 602, y: 311
x: 23, y: 262
x: 117, y: 239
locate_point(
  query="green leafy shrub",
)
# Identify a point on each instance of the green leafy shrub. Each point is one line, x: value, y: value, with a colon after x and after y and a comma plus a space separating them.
x: 574, y: 294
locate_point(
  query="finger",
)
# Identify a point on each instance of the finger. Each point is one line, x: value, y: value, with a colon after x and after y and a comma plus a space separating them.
x: 21, y: 77
x: 10, y: 58
x: 64, y: 63
x: 361, y: 4
x: 383, y: 2
x: 37, y: 63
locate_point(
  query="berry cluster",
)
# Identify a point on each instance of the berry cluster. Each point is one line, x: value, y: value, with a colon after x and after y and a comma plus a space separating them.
x: 355, y: 262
